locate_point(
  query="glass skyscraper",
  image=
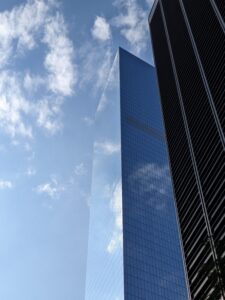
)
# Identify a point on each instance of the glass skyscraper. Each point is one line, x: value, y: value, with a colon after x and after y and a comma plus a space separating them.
x: 188, y: 39
x: 134, y: 249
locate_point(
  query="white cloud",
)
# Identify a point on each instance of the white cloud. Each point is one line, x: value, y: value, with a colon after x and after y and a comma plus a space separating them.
x: 80, y: 170
x: 18, y: 115
x: 48, y: 114
x: 106, y: 147
x: 102, y: 103
x: 53, y: 188
x: 13, y: 107
x: 101, y: 29
x: 23, y: 28
x: 19, y: 27
x: 32, y: 82
x: 104, y: 68
x: 115, y: 242
x: 88, y: 121
x: 111, y: 84
x: 96, y: 58
x: 116, y: 207
x: 5, y: 184
x: 95, y: 64
x: 132, y: 21
x: 31, y: 171
x: 59, y: 60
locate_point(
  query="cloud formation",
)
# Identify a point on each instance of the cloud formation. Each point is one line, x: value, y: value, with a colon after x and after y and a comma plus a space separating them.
x: 116, y: 207
x: 132, y: 22
x: 14, y: 109
x: 22, y: 29
x: 111, y: 84
x: 52, y: 188
x: 80, y: 170
x: 31, y: 171
x: 19, y: 27
x: 95, y: 64
x: 59, y: 60
x: 106, y: 147
x: 48, y: 112
x: 101, y: 30
x: 5, y: 184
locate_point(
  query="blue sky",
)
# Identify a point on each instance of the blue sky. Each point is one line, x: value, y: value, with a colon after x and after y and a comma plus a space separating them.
x: 55, y: 57
x: 104, y: 279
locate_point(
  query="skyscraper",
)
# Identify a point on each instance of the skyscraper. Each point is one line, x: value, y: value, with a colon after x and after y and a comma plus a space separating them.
x: 189, y: 46
x: 134, y: 250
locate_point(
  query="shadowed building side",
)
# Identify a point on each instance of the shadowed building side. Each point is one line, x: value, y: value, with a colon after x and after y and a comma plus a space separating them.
x: 189, y: 45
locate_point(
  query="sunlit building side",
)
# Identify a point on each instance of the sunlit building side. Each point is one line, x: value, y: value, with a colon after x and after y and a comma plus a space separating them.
x: 134, y: 248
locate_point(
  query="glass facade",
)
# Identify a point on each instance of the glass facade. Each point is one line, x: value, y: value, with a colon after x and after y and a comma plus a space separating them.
x: 134, y: 249
x: 189, y: 46
x: 105, y: 256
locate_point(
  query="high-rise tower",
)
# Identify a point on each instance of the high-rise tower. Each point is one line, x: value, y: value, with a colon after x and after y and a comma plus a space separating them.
x: 134, y: 250
x: 188, y: 38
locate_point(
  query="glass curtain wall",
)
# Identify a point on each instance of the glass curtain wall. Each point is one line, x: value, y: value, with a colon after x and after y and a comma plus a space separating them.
x: 134, y: 249
x: 105, y: 254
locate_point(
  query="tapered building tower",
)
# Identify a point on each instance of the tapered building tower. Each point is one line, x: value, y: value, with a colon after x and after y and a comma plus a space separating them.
x: 134, y: 251
x: 188, y: 38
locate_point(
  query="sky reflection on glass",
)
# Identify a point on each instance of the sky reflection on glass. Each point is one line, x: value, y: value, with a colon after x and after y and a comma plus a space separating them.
x: 105, y: 255
x: 134, y: 249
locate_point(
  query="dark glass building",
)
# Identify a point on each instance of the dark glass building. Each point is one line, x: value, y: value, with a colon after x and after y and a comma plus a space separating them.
x: 134, y: 248
x: 188, y: 38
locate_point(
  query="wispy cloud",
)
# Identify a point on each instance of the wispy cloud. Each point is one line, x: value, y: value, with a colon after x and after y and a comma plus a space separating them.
x: 132, y: 22
x: 116, y: 207
x: 31, y: 171
x: 96, y: 57
x: 18, y: 115
x: 59, y: 61
x: 22, y: 29
x: 80, y: 170
x: 106, y: 147
x: 110, y: 84
x: 19, y: 26
x: 32, y: 82
x: 102, y: 103
x: 52, y: 188
x: 5, y: 184
x: 88, y: 121
x: 115, y: 242
x: 101, y: 29
x: 95, y: 64
x: 13, y: 107
x: 48, y: 113
x: 56, y: 186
